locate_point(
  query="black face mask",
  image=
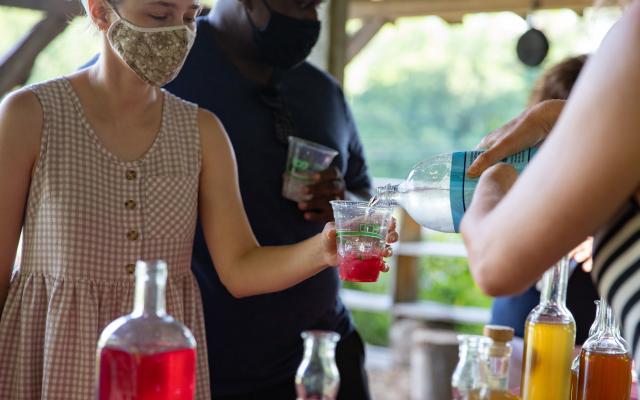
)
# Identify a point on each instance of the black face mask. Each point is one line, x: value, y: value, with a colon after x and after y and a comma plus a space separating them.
x: 286, y: 41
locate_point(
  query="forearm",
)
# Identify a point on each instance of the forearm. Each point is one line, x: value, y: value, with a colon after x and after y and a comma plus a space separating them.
x: 479, y: 233
x: 270, y: 269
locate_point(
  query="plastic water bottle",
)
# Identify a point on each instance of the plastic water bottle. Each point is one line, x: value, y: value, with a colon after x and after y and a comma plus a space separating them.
x: 437, y: 191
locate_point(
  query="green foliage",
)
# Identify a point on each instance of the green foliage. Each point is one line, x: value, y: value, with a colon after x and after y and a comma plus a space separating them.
x: 470, y: 329
x: 374, y: 327
x: 15, y: 23
x: 429, y: 87
x: 448, y: 280
x: 70, y: 50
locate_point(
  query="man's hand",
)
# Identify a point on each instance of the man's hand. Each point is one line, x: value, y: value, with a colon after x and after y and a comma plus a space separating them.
x: 328, y: 185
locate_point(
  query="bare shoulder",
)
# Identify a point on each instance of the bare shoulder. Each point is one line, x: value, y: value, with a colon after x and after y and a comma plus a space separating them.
x: 22, y: 105
x: 21, y: 121
x: 213, y: 137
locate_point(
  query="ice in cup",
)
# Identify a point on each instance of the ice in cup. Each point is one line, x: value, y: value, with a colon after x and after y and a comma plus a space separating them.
x: 361, y: 238
x: 305, y: 158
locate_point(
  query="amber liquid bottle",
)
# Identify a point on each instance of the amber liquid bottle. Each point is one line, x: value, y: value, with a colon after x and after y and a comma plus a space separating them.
x: 605, y: 364
x: 550, y: 334
x: 594, y: 331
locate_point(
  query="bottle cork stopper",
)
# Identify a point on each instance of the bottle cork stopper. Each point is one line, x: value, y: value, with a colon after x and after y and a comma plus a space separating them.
x: 499, y: 333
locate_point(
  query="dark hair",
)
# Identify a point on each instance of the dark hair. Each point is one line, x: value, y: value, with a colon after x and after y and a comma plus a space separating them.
x: 557, y: 82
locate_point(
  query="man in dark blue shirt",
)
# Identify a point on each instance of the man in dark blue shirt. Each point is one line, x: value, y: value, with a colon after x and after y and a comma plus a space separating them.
x: 247, y: 67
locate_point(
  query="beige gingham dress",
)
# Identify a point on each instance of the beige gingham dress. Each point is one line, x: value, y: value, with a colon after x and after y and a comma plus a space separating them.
x: 89, y: 217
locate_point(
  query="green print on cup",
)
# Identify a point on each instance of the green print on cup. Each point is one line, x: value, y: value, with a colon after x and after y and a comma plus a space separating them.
x: 305, y: 158
x: 300, y: 170
x: 300, y: 165
x: 364, y: 230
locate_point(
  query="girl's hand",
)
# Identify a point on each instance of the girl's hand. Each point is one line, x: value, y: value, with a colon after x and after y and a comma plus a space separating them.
x: 330, y: 245
x: 526, y: 130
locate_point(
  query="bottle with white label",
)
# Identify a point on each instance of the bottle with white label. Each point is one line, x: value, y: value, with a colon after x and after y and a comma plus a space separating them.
x: 437, y: 191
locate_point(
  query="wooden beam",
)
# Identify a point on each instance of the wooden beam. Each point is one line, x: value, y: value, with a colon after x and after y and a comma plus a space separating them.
x: 16, y: 65
x: 450, y: 8
x: 406, y: 280
x: 338, y: 38
x: 357, y: 42
x: 57, y: 7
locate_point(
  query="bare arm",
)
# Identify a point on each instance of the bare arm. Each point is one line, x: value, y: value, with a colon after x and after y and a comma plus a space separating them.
x: 20, y: 131
x: 244, y: 267
x: 583, y: 174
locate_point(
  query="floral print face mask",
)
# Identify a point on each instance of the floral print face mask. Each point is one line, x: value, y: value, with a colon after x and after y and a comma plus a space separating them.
x: 156, y: 55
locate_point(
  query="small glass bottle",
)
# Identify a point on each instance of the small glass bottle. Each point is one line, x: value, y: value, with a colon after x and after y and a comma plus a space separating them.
x: 596, y: 327
x: 437, y: 191
x: 147, y: 355
x: 317, y: 377
x: 550, y: 334
x: 466, y: 379
x: 494, y: 362
x: 605, y: 364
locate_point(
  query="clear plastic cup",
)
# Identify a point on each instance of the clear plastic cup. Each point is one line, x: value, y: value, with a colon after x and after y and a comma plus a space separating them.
x: 361, y: 237
x: 305, y: 159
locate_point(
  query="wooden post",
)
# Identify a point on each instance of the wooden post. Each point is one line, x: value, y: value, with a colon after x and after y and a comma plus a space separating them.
x: 405, y: 273
x: 16, y: 65
x: 338, y: 39
x: 320, y: 54
x: 433, y: 359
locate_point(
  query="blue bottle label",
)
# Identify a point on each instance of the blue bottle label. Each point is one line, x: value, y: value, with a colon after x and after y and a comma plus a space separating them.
x: 462, y: 187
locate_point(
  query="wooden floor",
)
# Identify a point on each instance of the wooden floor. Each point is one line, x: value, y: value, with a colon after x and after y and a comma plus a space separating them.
x: 386, y: 381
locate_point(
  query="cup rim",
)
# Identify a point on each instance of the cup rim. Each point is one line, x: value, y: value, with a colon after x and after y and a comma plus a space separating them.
x: 316, y: 146
x: 359, y: 203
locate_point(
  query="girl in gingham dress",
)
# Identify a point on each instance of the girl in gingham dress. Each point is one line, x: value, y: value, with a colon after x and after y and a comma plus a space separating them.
x: 103, y: 168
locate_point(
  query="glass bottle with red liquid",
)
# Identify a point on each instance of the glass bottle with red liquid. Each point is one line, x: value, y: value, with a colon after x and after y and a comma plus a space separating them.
x: 147, y: 355
x: 605, y: 364
x: 594, y: 331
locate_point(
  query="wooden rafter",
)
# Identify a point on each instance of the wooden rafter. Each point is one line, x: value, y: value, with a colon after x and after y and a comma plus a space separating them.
x: 370, y: 27
x: 56, y: 7
x: 452, y: 9
x: 16, y: 65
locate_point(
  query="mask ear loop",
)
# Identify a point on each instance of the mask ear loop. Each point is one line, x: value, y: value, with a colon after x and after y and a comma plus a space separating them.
x: 113, y: 9
x: 115, y: 12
